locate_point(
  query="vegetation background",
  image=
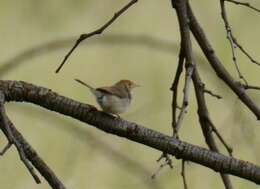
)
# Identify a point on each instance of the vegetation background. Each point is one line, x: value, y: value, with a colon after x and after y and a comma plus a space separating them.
x: 84, y: 157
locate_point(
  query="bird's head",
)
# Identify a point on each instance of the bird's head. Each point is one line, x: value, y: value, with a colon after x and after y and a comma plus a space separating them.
x: 127, y: 83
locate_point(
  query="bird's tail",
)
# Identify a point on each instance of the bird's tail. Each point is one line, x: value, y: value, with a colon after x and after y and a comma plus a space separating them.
x: 86, y: 85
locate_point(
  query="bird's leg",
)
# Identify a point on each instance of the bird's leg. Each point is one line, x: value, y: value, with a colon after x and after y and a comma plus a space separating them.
x: 117, y: 116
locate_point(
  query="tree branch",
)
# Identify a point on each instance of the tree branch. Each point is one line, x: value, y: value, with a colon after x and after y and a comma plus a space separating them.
x: 149, y: 42
x: 183, y: 174
x: 244, y: 4
x: 207, y: 125
x: 186, y: 47
x: 218, y: 66
x: 174, y: 89
x: 96, y: 32
x: 26, y: 152
x: 230, y: 37
x: 6, y: 128
x: 22, y: 91
x: 7, y: 146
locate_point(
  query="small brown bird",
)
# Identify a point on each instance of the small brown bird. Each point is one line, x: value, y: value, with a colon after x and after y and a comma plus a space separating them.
x: 113, y: 99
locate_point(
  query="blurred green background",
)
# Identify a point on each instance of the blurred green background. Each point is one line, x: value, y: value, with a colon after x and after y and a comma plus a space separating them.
x: 142, y: 45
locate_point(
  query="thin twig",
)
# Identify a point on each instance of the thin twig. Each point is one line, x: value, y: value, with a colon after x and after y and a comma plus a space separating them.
x: 96, y: 32
x: 7, y: 146
x: 167, y: 158
x: 233, y: 45
x: 209, y: 91
x: 214, y: 129
x: 244, y: 51
x: 212, y: 94
x: 183, y: 174
x: 246, y: 87
x: 181, y: 10
x: 185, y: 101
x: 246, y: 4
x: 167, y: 162
x: 174, y: 89
x: 158, y: 170
x: 6, y: 126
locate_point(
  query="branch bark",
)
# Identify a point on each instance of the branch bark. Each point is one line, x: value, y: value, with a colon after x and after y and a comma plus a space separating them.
x: 25, y: 92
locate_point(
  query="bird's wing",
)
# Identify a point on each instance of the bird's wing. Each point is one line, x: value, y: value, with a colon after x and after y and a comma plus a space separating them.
x: 113, y: 91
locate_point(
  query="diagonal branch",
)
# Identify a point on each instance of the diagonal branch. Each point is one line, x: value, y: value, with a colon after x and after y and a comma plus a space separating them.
x: 206, y: 123
x: 4, y: 121
x: 246, y: 4
x: 150, y: 42
x: 7, y: 146
x: 211, y: 93
x: 233, y: 41
x: 27, y: 153
x: 244, y: 51
x: 218, y: 66
x: 96, y: 32
x: 22, y: 91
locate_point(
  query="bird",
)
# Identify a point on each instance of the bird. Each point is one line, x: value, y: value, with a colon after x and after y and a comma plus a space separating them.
x: 113, y: 99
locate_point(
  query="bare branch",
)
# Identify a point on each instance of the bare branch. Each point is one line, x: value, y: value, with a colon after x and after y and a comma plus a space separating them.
x: 167, y: 162
x: 233, y: 41
x: 96, y: 32
x: 26, y: 152
x: 7, y: 146
x: 214, y: 129
x: 230, y: 38
x: 218, y: 66
x: 212, y: 94
x: 13, y: 140
x: 181, y: 10
x: 246, y: 4
x: 22, y: 91
x: 206, y: 123
x: 185, y: 102
x: 183, y: 174
x: 174, y: 89
x: 246, y: 87
x: 149, y: 42
x: 244, y: 51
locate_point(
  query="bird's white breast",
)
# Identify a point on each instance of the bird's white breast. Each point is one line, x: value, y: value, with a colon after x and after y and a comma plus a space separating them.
x: 113, y: 104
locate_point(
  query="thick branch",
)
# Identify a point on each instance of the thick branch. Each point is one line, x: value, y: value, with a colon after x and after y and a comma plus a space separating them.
x: 21, y: 91
x: 206, y: 123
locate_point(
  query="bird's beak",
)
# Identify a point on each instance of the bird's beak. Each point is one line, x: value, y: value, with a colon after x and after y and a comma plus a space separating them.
x: 136, y: 85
